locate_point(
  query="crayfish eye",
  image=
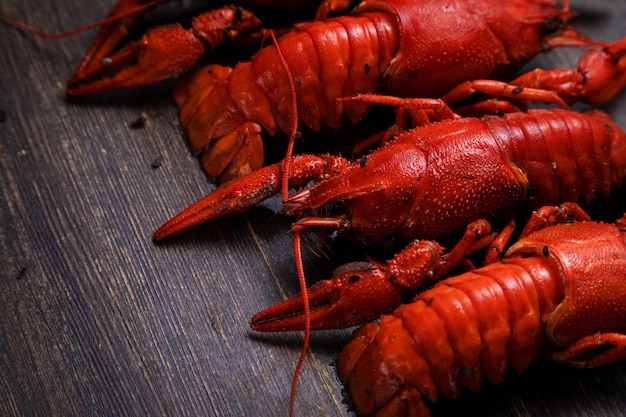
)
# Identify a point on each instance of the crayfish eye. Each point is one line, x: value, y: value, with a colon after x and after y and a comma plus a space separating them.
x: 352, y: 269
x: 552, y: 24
x: 354, y: 278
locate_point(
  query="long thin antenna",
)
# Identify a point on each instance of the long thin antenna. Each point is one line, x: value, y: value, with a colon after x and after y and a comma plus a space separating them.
x: 294, y: 121
x: 21, y: 25
x: 297, y: 250
x: 307, y: 319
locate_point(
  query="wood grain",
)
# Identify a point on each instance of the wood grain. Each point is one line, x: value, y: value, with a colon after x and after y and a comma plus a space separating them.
x: 96, y: 319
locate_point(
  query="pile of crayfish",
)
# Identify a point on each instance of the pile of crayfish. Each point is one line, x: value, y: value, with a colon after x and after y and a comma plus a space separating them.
x: 454, y: 166
x: 431, y: 182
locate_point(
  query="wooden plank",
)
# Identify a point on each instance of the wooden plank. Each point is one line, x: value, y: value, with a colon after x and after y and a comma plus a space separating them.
x: 96, y: 319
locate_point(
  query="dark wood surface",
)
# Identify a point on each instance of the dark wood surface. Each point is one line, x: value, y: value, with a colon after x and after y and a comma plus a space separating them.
x: 96, y: 319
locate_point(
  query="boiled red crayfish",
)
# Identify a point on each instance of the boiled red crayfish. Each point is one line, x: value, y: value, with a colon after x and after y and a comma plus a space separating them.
x: 396, y: 47
x: 430, y: 182
x: 560, y: 290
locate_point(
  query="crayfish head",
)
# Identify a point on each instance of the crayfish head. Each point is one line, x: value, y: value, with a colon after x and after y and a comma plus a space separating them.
x: 377, y: 192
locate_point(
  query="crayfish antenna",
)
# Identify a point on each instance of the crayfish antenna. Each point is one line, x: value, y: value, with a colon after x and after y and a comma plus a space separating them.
x: 109, y: 19
x: 307, y: 320
x: 286, y: 167
x: 294, y: 119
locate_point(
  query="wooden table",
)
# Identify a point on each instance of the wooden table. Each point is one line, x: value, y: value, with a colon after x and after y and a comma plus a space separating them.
x: 96, y: 319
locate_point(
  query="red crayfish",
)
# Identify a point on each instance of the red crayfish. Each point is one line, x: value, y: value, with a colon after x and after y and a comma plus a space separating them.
x: 427, y: 183
x: 396, y: 47
x: 559, y: 289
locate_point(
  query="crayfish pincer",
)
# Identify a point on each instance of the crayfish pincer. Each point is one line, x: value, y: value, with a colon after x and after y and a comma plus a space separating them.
x: 560, y: 290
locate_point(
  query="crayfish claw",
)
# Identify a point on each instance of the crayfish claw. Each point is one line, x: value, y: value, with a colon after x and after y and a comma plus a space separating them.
x: 155, y: 57
x: 236, y: 196
x: 359, y: 292
x: 249, y: 190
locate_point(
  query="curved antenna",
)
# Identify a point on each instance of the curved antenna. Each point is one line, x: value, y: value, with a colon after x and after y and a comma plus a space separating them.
x: 21, y: 25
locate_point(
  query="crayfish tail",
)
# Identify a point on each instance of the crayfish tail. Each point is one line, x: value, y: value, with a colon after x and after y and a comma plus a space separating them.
x: 375, y: 390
